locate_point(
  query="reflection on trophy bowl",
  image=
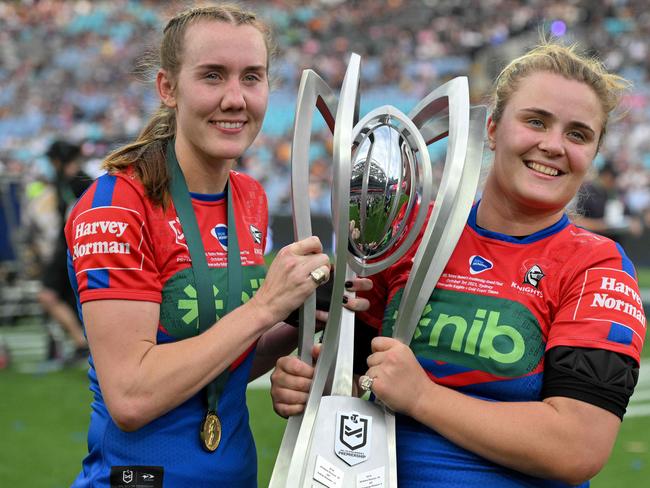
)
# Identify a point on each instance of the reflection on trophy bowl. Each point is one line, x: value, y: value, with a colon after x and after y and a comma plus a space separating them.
x: 381, y: 188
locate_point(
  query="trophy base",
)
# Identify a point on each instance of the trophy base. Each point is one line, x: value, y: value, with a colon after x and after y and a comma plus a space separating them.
x: 350, y: 445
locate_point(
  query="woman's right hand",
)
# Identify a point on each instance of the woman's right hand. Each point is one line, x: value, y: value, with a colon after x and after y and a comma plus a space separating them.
x: 290, y: 383
x: 288, y: 283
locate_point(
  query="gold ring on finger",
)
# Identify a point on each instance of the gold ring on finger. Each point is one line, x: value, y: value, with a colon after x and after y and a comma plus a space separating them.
x: 365, y: 382
x: 318, y: 276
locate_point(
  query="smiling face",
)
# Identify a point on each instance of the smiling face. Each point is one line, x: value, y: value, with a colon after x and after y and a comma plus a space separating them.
x: 544, y: 144
x: 220, y: 94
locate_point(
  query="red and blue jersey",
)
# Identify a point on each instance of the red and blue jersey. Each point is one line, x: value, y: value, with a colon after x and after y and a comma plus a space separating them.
x: 122, y: 246
x: 499, y: 305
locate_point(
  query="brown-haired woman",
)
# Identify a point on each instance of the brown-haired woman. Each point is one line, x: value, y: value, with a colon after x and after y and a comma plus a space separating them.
x: 169, y: 242
x: 522, y: 365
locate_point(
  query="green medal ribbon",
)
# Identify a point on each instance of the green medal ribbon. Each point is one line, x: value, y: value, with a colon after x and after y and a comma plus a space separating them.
x: 204, y: 285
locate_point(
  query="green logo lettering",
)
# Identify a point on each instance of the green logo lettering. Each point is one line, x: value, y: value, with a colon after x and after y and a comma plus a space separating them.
x: 495, y: 346
x: 489, y: 334
x: 445, y: 321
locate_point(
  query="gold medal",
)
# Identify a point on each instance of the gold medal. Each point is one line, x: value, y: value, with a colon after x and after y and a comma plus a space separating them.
x: 211, y: 432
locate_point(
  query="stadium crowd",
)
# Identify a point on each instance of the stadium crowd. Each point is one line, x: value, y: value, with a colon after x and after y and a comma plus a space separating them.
x: 75, y: 70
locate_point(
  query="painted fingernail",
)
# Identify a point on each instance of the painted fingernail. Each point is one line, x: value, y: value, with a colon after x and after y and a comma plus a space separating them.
x: 348, y: 284
x: 345, y: 299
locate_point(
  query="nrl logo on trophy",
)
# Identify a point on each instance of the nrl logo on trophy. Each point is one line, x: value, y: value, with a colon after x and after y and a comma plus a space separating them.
x: 382, y: 193
x: 352, y: 444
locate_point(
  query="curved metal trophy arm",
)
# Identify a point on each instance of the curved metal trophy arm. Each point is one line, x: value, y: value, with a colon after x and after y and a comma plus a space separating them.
x: 453, y: 202
x: 345, y: 118
x: 312, y: 93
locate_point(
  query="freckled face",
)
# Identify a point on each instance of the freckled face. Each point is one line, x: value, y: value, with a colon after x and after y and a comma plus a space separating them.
x: 222, y: 91
x: 545, y: 142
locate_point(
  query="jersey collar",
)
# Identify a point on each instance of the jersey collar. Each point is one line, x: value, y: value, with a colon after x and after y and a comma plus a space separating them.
x: 537, y: 236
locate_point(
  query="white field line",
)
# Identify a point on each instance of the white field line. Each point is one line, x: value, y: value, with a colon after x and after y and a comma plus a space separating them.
x: 640, y: 401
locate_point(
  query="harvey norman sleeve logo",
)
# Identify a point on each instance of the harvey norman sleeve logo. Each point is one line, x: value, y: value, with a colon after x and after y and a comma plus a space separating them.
x: 611, y: 295
x: 107, y: 238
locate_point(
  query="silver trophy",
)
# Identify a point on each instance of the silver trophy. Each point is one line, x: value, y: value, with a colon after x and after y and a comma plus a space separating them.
x: 382, y: 180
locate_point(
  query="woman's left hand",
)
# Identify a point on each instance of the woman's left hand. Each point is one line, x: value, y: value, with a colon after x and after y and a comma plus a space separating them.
x: 398, y: 379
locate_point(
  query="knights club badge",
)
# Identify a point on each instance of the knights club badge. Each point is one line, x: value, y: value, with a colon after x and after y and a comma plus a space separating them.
x: 533, y: 276
x: 352, y: 442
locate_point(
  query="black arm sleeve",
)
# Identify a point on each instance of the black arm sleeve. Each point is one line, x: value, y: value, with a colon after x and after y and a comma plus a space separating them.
x: 596, y: 376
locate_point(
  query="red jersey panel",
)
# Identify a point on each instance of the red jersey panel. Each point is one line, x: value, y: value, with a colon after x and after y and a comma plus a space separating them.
x: 502, y: 302
x: 122, y: 234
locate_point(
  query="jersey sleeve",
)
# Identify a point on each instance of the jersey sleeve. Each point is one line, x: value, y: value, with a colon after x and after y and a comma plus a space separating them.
x: 109, y: 245
x: 600, y: 305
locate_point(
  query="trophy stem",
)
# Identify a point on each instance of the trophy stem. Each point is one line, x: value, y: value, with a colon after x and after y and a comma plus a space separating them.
x: 342, y: 381
x: 313, y: 92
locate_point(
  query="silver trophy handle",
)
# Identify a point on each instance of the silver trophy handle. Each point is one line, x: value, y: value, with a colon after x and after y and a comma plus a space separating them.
x: 453, y: 202
x: 313, y: 92
x: 340, y: 204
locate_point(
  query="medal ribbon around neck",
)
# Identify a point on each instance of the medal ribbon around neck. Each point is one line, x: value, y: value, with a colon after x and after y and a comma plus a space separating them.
x: 204, y: 285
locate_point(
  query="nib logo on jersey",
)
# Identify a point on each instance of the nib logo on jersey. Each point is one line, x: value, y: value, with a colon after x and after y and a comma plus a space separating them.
x: 478, y: 264
x: 220, y: 233
x: 486, y: 333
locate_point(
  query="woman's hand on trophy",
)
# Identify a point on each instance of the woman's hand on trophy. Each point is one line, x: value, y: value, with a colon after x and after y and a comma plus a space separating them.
x: 296, y: 271
x: 290, y: 383
x: 323, y: 299
x: 352, y: 302
x: 395, y: 376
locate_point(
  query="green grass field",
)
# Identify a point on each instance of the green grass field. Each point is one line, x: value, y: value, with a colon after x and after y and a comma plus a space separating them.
x: 43, y: 421
x: 644, y: 277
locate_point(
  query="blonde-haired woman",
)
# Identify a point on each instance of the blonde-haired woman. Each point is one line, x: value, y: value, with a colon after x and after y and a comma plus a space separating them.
x: 522, y: 365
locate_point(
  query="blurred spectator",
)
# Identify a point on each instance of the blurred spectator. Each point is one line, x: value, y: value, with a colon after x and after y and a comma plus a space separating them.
x: 56, y: 296
x: 602, y: 209
x: 42, y: 225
